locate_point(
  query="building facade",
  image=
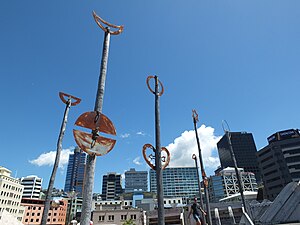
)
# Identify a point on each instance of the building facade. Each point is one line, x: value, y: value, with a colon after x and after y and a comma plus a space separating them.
x: 10, y: 194
x: 75, y: 172
x: 177, y: 182
x: 32, y: 186
x: 225, y: 184
x: 111, y: 186
x: 34, y: 210
x: 244, y: 149
x: 136, y: 180
x: 279, y: 161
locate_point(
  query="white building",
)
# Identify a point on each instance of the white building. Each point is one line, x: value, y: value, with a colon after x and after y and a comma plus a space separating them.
x: 32, y: 186
x: 225, y: 184
x: 10, y: 194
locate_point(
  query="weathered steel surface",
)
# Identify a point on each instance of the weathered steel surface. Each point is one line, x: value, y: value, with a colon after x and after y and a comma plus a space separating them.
x: 96, y: 121
x: 164, y: 159
x: 93, y: 143
x: 159, y: 93
x: 194, y: 157
x: 99, y: 20
x: 63, y: 95
x: 204, y: 177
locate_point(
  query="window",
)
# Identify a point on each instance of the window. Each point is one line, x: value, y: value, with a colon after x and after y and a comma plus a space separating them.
x: 123, y: 217
x: 133, y: 217
x: 111, y: 217
x: 101, y: 218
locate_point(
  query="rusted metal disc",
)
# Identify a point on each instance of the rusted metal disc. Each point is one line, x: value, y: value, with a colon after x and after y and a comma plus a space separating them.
x: 92, y: 143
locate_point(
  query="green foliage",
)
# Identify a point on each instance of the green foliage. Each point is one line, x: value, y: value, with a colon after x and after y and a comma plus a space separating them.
x: 129, y: 222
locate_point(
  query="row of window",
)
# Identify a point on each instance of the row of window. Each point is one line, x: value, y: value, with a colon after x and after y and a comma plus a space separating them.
x: 10, y: 179
x: 14, y: 211
x: 9, y: 202
x: 10, y: 194
x: 11, y: 187
x: 112, y: 217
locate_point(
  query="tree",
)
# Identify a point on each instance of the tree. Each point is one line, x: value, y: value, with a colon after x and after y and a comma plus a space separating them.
x: 129, y: 222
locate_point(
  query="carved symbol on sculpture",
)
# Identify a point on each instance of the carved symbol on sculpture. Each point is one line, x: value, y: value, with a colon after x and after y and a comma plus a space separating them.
x: 99, y: 20
x: 149, y: 158
x: 93, y: 143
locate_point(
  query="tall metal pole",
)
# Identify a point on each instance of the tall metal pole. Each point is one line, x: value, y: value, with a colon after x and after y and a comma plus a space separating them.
x: 58, y: 152
x: 160, y: 195
x: 199, y: 186
x: 96, y: 127
x: 204, y: 178
x: 238, y: 175
x: 91, y: 159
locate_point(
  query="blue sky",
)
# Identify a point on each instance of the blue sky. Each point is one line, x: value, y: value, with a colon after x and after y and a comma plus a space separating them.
x: 233, y: 60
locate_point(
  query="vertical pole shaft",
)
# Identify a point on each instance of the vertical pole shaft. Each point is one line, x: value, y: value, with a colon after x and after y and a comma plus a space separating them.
x: 57, y: 158
x: 204, y: 178
x: 238, y: 175
x: 160, y: 196
x: 91, y: 159
x: 199, y: 186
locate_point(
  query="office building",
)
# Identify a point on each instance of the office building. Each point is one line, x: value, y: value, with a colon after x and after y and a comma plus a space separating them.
x: 34, y: 210
x: 111, y: 186
x: 32, y: 186
x: 244, y: 149
x: 279, y: 161
x: 177, y: 182
x: 75, y: 172
x: 224, y: 184
x: 10, y: 194
x: 136, y: 180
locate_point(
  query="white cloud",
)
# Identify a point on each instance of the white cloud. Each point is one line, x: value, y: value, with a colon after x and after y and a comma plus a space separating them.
x: 48, y: 158
x: 126, y: 135
x: 137, y: 161
x: 185, y: 146
x: 141, y: 133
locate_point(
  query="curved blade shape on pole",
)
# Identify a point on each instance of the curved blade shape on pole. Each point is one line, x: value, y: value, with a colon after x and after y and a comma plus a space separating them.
x: 63, y: 95
x: 99, y: 20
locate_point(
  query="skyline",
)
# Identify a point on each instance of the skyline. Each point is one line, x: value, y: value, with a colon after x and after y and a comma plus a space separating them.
x: 233, y: 61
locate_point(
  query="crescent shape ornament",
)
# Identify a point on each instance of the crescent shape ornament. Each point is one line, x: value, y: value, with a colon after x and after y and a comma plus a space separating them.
x: 71, y: 97
x: 99, y: 21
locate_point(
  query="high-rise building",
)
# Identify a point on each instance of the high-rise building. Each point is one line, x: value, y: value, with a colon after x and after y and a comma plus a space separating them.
x: 279, y: 161
x: 244, y: 149
x: 32, y: 186
x: 10, y: 194
x: 224, y: 184
x: 177, y: 182
x: 136, y: 180
x: 111, y: 186
x: 75, y: 172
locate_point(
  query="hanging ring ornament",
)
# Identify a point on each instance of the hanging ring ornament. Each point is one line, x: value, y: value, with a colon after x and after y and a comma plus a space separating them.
x: 162, y: 87
x: 226, y: 128
x: 163, y: 149
x: 63, y: 95
x: 99, y: 20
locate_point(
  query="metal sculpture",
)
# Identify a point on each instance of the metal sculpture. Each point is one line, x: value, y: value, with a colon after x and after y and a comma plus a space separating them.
x: 68, y: 103
x: 226, y: 130
x: 157, y: 150
x: 194, y: 157
x: 204, y: 177
x: 93, y: 143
